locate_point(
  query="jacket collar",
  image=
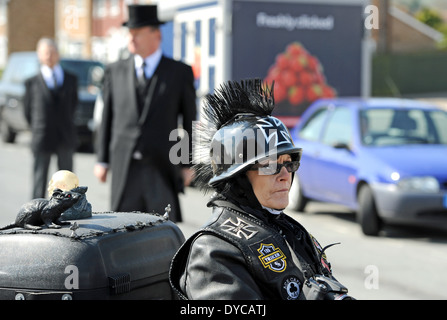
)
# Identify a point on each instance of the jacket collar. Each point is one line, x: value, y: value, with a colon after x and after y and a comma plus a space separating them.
x: 152, y: 61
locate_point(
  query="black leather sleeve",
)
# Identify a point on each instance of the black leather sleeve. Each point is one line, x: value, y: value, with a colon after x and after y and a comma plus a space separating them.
x: 217, y: 270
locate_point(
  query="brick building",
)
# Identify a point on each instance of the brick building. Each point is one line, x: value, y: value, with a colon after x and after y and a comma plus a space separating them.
x: 73, y: 27
x: 82, y: 28
x: 23, y: 23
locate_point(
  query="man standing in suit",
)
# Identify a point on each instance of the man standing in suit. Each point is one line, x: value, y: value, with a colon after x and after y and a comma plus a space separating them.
x: 50, y: 101
x: 144, y: 98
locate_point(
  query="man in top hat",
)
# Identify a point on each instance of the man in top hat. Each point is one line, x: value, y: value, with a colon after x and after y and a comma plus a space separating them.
x: 144, y: 96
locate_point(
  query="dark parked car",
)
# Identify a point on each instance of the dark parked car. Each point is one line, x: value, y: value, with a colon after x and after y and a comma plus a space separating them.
x: 384, y: 158
x: 22, y: 65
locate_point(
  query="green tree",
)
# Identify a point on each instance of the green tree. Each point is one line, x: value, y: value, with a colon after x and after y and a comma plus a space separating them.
x: 433, y: 19
x: 430, y: 17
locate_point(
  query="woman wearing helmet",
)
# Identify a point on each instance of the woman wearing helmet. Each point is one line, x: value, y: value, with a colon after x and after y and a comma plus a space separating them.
x: 249, y: 249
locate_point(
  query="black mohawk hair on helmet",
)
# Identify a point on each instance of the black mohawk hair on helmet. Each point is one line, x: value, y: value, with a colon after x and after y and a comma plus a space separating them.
x: 232, y: 98
x: 250, y: 96
x: 238, y: 105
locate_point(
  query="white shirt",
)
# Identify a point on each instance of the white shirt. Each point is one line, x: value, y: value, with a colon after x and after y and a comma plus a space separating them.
x: 151, y: 61
x: 47, y: 74
x: 272, y: 211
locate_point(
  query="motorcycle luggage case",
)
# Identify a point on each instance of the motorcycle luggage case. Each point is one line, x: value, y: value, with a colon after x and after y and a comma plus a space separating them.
x: 109, y: 256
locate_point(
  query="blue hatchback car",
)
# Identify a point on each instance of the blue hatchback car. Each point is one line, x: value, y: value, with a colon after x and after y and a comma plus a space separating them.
x: 385, y: 158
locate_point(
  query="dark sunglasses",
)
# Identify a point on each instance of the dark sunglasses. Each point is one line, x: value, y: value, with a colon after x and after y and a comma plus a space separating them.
x: 273, y: 168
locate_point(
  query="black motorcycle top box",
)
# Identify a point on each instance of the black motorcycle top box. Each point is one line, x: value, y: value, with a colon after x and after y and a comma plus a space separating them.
x: 112, y: 255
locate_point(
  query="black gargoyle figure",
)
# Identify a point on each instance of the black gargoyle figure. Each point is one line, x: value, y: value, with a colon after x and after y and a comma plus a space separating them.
x: 37, y: 212
x: 81, y: 209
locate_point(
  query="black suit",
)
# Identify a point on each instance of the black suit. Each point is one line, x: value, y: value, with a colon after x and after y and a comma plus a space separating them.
x: 50, y: 114
x: 127, y: 127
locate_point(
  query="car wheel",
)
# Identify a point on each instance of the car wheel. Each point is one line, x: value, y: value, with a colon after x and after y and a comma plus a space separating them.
x: 367, y: 212
x: 297, y: 201
x: 8, y: 135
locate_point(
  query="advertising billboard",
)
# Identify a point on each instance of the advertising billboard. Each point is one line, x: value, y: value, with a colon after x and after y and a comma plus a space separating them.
x: 310, y: 50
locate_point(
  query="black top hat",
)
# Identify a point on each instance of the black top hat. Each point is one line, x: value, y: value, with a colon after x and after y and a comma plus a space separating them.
x: 142, y: 15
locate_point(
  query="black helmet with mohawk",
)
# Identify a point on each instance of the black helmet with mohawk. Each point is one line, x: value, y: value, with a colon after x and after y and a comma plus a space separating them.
x: 238, y: 131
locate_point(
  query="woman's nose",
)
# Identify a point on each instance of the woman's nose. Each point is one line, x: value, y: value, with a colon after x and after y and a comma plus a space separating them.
x: 284, y: 174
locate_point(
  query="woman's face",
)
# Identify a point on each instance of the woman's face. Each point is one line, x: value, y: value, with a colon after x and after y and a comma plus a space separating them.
x: 272, y: 191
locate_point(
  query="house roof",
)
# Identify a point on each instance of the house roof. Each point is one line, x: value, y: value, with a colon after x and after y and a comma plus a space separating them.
x: 415, y: 23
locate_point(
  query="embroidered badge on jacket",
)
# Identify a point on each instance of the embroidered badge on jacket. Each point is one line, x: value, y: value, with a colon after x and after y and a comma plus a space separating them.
x: 272, y: 257
x: 290, y: 289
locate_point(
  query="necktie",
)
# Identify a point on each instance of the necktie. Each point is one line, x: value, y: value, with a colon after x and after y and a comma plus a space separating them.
x: 142, y: 74
x: 53, y: 74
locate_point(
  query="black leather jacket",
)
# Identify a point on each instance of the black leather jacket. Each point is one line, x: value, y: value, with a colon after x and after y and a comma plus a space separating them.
x: 239, y: 255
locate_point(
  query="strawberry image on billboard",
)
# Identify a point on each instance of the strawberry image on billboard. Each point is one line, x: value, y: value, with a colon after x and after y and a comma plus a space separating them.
x: 298, y: 78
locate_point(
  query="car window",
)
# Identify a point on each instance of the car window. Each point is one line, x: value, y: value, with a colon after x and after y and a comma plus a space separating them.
x: 439, y: 120
x: 82, y: 69
x: 312, y: 128
x: 339, y: 127
x: 20, y: 68
x: 403, y: 126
